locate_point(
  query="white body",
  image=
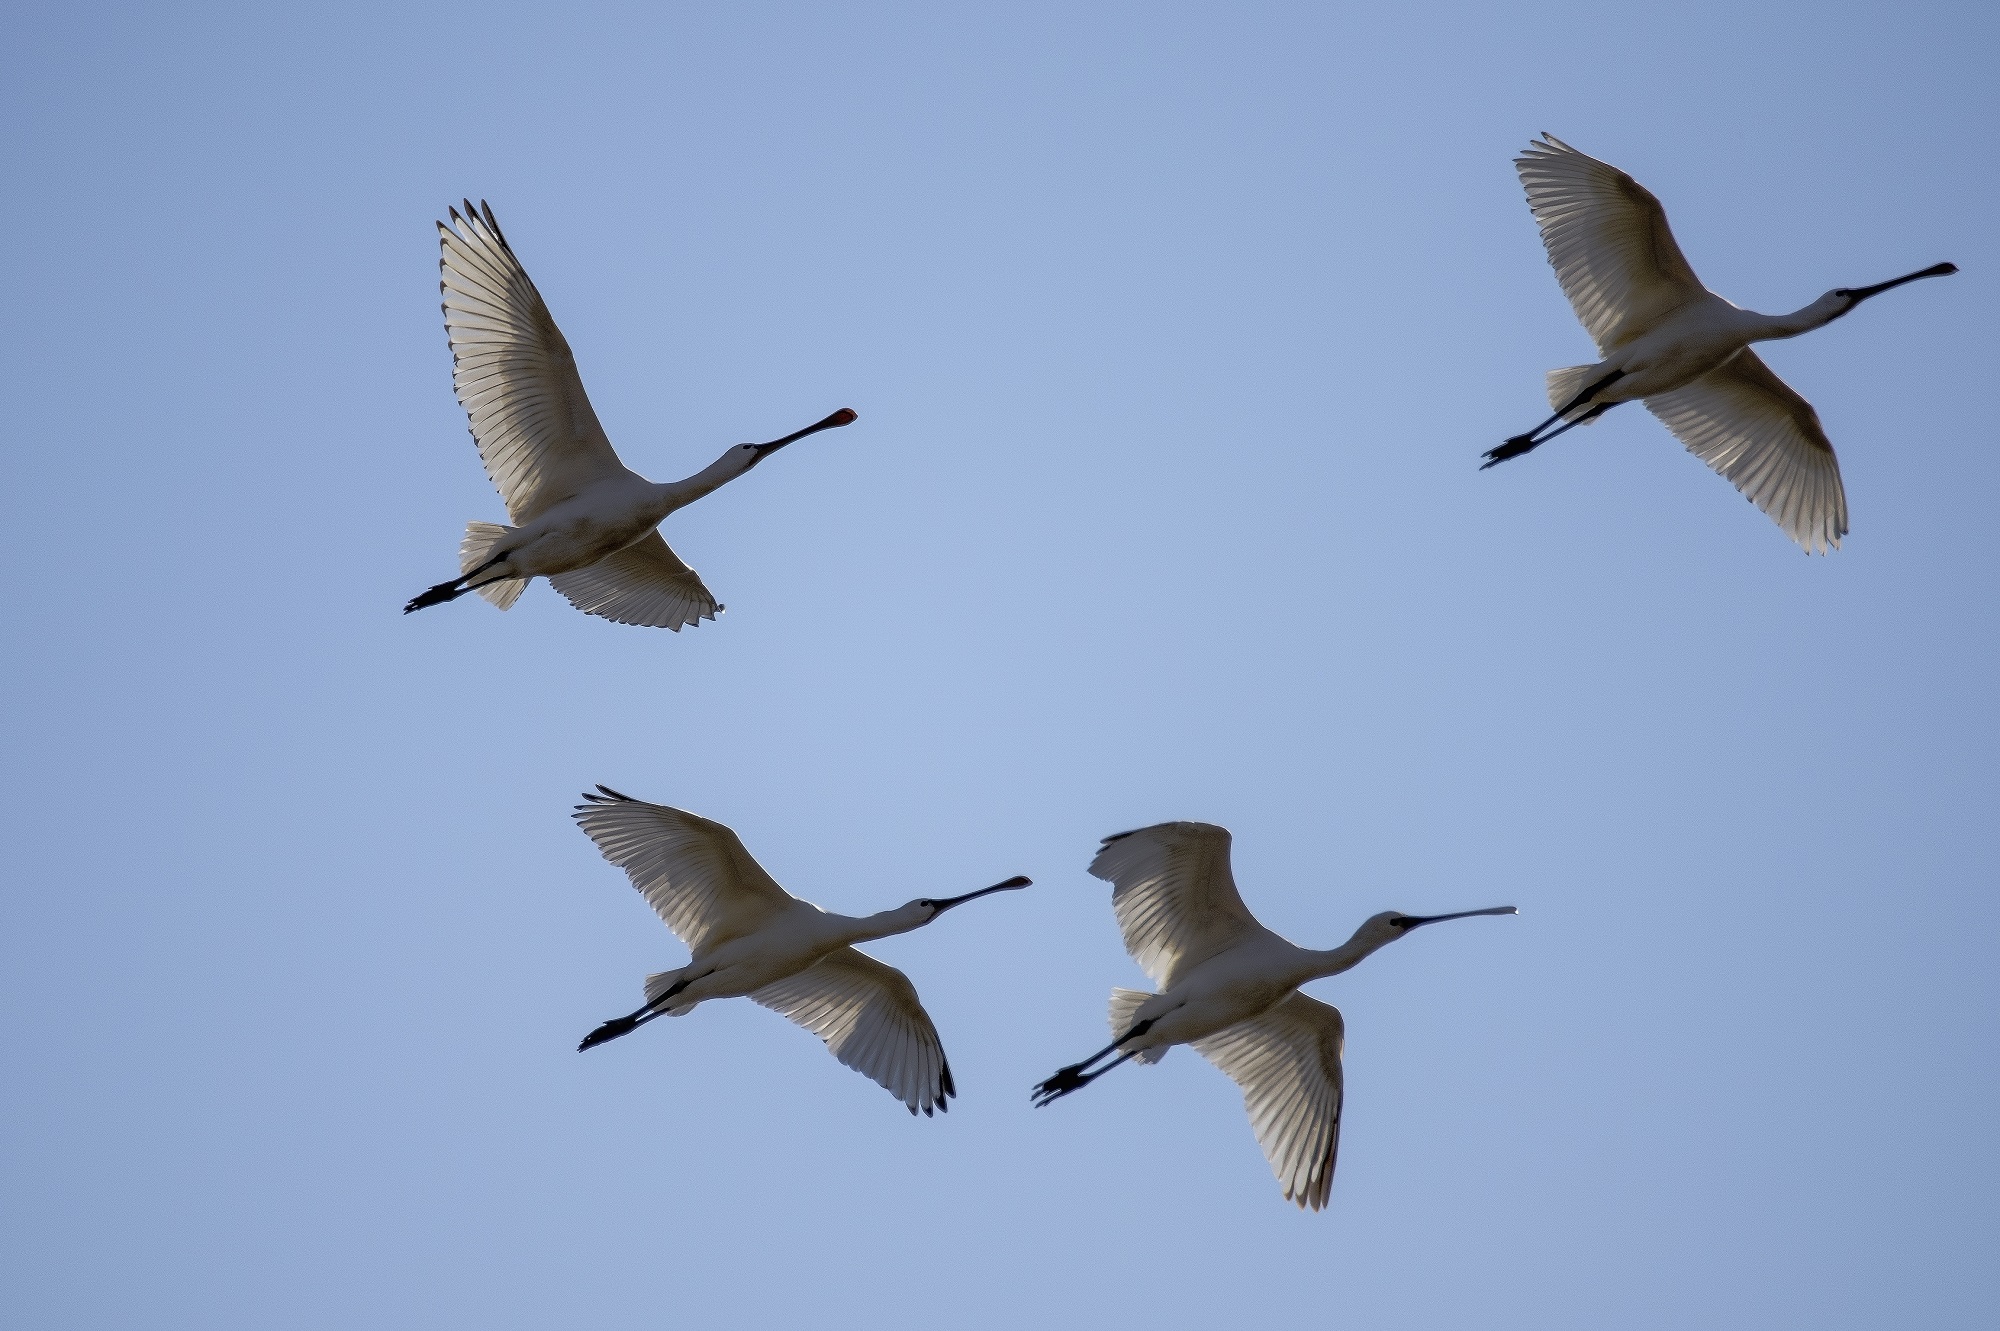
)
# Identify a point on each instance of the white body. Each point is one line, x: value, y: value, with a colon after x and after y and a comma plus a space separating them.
x: 1680, y: 348
x: 795, y: 937
x: 1700, y: 336
x: 750, y: 938
x: 1256, y: 974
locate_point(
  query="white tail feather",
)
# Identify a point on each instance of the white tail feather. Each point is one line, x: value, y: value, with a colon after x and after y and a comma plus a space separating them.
x: 476, y: 549
x: 1565, y: 384
x: 658, y: 984
x: 1124, y: 1002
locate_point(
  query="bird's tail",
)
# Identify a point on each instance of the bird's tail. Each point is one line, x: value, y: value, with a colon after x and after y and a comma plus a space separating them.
x: 658, y: 984
x: 476, y: 549
x: 1125, y: 1002
x: 1565, y: 384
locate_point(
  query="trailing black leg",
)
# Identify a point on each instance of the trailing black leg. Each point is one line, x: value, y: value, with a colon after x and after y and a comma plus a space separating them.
x: 625, y: 1025
x: 1074, y: 1077
x: 1069, y: 1079
x: 614, y: 1028
x: 450, y: 591
x: 438, y: 595
x: 1533, y: 439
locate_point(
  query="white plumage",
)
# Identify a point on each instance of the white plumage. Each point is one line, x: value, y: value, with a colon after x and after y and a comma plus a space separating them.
x: 751, y: 938
x: 582, y: 519
x: 1665, y: 339
x: 1229, y: 987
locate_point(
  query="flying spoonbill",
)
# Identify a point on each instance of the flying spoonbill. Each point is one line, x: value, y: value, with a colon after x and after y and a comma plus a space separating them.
x: 1230, y: 988
x: 752, y: 938
x: 1667, y: 340
x: 582, y: 519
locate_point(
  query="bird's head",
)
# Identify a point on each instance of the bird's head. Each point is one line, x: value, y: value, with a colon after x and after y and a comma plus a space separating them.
x: 1381, y: 930
x: 1842, y: 299
x: 745, y: 456
x: 926, y: 909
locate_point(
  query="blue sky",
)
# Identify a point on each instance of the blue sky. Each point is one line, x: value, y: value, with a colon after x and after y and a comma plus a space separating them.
x: 1176, y: 333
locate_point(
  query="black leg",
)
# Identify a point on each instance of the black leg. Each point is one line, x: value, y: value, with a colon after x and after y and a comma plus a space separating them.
x: 1513, y: 448
x: 438, y: 595
x: 1069, y: 1080
x: 446, y: 592
x: 1529, y: 442
x: 625, y: 1025
x: 1073, y: 1077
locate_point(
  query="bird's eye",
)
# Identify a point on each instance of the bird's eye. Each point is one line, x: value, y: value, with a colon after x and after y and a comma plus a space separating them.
x: 1842, y: 291
x: 926, y: 901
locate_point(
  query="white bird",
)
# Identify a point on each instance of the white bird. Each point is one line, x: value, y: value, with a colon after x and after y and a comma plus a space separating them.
x: 1230, y: 988
x: 750, y: 937
x: 582, y: 519
x: 1667, y: 340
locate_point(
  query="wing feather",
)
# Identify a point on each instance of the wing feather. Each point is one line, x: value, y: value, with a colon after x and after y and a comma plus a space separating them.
x: 645, y: 583
x: 1766, y: 440
x: 515, y: 376
x: 1174, y: 896
x: 872, y: 1021
x: 1608, y: 240
x: 1288, y: 1064
x: 691, y: 870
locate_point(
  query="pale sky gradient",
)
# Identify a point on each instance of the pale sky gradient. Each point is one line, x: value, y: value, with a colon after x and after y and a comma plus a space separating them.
x: 1176, y: 333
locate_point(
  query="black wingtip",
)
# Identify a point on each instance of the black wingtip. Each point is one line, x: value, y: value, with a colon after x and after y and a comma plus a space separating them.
x: 1119, y: 836
x: 486, y: 211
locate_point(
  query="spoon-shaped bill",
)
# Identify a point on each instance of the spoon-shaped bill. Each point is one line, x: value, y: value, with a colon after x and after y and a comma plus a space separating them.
x: 845, y: 416
x: 1415, y: 921
x: 1012, y: 884
x: 1935, y: 270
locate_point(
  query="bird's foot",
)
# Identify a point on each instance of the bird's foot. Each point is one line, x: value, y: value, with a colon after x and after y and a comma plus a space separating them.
x: 1071, y: 1078
x: 1513, y: 448
x: 438, y: 595
x: 610, y: 1030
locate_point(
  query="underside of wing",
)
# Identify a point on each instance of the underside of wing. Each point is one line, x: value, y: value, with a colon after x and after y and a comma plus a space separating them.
x: 645, y: 583
x: 1608, y: 241
x: 1766, y: 440
x: 1288, y: 1064
x: 871, y: 1020
x: 516, y: 379
x: 691, y: 870
x: 1174, y: 896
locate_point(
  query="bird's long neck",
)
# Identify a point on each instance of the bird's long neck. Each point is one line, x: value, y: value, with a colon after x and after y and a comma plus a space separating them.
x: 679, y: 494
x: 1770, y: 327
x: 1346, y: 957
x: 851, y: 929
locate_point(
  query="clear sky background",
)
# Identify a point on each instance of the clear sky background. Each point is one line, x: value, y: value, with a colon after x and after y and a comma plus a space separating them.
x: 1176, y: 333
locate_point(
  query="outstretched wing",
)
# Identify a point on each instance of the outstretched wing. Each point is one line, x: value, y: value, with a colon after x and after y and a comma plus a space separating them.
x: 1288, y: 1064
x: 1608, y: 241
x: 694, y: 872
x: 1766, y: 440
x: 869, y: 1015
x: 515, y: 377
x: 645, y: 583
x: 1175, y: 899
